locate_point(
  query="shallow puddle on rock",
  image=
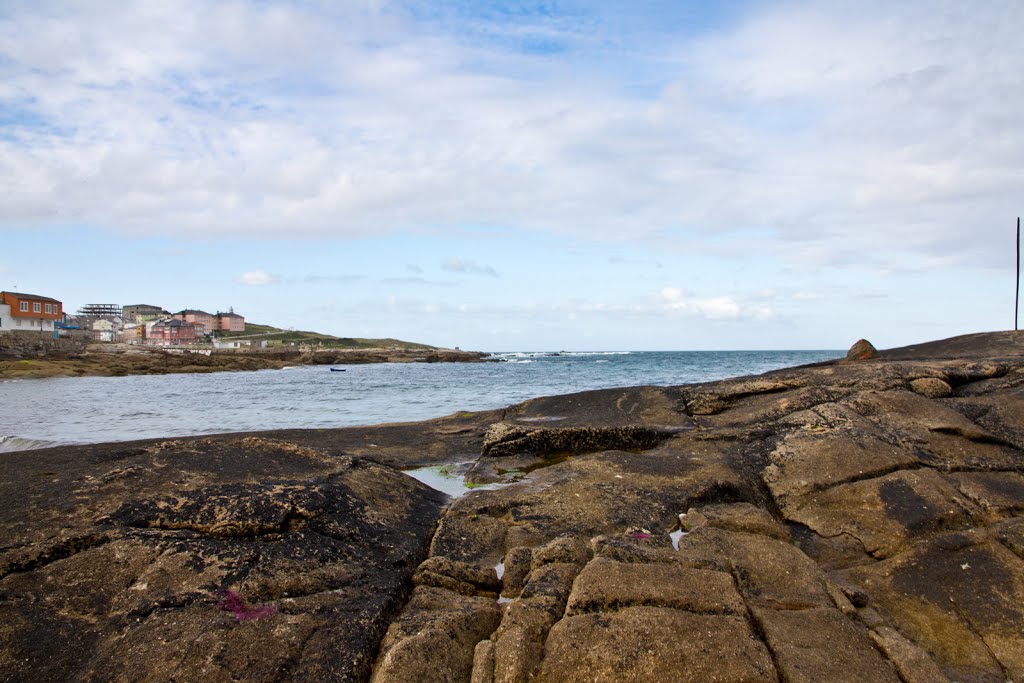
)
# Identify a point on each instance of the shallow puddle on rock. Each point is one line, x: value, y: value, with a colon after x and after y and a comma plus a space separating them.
x: 499, y: 569
x: 502, y: 600
x: 548, y: 461
x: 449, y: 479
x: 675, y: 536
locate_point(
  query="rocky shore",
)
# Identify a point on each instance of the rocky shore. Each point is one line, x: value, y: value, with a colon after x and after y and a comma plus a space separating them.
x: 849, y: 521
x: 159, y: 362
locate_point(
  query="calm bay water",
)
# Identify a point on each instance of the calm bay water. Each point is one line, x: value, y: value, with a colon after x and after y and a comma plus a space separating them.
x: 38, y: 413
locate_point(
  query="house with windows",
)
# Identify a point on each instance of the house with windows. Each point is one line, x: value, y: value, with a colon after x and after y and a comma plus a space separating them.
x: 239, y: 343
x: 29, y: 313
x: 142, y: 313
x: 132, y: 333
x: 170, y: 332
x: 229, y: 322
x: 106, y: 329
x: 202, y: 320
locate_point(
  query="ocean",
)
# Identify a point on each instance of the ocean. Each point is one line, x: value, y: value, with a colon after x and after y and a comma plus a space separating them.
x: 47, y: 412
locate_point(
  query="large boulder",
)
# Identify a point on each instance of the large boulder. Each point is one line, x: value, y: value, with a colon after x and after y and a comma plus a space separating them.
x: 862, y: 349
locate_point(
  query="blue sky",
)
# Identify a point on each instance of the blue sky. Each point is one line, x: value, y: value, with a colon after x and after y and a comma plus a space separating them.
x: 526, y: 175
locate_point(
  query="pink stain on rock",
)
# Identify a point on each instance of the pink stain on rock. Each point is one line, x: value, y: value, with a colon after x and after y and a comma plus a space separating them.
x: 231, y: 601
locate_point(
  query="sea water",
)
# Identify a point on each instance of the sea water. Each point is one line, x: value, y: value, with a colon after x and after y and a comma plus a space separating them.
x: 44, y: 412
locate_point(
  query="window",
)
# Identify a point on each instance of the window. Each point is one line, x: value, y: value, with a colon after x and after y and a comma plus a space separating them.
x: 24, y: 307
x: 49, y: 308
x: 37, y: 308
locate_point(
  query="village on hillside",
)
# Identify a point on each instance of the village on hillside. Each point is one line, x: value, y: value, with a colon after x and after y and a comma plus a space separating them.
x: 135, y: 324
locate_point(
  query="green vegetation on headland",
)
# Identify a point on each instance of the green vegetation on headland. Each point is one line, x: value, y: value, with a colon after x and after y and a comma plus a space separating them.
x: 275, y: 336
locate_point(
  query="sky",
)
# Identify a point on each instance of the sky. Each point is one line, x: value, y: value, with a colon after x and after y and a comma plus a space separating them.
x: 525, y: 175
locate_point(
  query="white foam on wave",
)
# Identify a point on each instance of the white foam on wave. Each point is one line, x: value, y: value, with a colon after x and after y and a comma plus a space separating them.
x: 596, y: 353
x: 10, y: 443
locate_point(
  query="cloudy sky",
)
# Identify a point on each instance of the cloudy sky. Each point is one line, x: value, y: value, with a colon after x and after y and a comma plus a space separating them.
x: 522, y: 175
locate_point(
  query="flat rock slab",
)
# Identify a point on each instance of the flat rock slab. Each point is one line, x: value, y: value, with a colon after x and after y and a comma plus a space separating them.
x: 655, y: 644
x: 216, y: 580
x: 822, y: 644
x: 960, y: 596
x: 605, y: 585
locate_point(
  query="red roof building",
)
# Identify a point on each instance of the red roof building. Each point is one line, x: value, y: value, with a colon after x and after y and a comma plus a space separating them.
x: 170, y: 333
x: 29, y: 312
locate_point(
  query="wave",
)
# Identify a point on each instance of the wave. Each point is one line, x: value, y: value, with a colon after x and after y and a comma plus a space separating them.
x: 10, y: 443
x: 523, y: 354
x: 551, y: 354
x: 596, y: 353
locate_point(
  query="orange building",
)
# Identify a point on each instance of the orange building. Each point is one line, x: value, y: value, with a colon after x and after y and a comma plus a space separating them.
x: 202, y: 320
x: 229, y: 322
x: 29, y: 312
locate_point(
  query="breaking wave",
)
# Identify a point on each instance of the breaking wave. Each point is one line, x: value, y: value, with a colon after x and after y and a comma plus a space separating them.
x: 10, y: 443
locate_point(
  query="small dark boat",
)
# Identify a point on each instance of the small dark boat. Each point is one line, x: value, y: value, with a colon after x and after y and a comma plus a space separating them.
x: 337, y: 369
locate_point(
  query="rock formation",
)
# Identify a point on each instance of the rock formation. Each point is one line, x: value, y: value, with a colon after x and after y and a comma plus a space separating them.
x: 862, y: 350
x: 837, y: 522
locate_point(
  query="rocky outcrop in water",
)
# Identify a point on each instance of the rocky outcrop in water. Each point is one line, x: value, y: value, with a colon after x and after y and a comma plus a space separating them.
x: 849, y: 521
x: 142, y: 361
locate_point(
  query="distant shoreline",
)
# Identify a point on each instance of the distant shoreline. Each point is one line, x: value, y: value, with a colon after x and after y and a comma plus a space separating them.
x: 161, y: 362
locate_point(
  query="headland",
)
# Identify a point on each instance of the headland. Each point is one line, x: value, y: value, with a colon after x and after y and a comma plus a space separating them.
x: 100, y: 362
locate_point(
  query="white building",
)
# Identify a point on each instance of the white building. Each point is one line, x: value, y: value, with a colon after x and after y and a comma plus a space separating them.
x: 239, y: 344
x: 106, y: 329
x: 6, y: 321
x: 30, y: 312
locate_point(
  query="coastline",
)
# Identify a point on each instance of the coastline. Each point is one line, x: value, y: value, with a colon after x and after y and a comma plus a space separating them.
x: 841, y: 521
x: 160, y: 362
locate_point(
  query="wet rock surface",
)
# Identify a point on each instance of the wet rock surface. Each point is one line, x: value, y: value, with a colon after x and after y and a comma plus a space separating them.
x: 233, y: 559
x: 849, y: 521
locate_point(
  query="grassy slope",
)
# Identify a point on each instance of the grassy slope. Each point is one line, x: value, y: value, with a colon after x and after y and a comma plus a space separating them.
x: 277, y: 336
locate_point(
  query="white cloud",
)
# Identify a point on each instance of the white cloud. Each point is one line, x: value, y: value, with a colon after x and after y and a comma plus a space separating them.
x: 676, y: 300
x: 457, y: 265
x: 256, y: 278
x: 850, y: 133
x: 337, y: 279
x: 672, y: 294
